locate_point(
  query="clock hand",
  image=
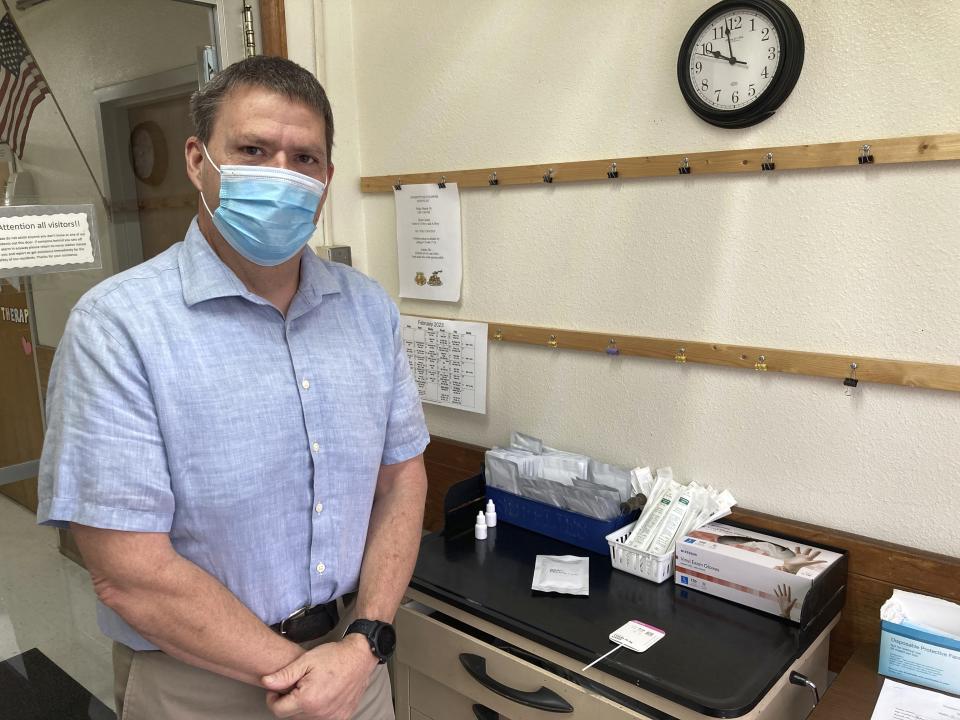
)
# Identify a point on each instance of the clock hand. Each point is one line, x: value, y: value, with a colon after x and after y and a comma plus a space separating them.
x: 730, y: 45
x: 718, y: 56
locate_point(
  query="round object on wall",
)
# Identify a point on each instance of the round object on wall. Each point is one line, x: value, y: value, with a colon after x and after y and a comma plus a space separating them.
x: 148, y: 152
x: 740, y: 60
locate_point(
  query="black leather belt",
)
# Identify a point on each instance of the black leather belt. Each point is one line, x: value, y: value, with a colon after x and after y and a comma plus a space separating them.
x: 308, y: 624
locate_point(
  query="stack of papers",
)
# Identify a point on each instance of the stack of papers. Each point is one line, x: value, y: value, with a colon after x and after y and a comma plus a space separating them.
x: 905, y: 702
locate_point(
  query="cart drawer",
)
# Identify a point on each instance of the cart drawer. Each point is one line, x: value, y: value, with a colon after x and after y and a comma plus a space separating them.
x: 435, y: 700
x: 438, y: 651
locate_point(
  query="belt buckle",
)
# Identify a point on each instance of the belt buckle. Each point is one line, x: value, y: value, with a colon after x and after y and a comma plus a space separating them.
x: 295, y: 615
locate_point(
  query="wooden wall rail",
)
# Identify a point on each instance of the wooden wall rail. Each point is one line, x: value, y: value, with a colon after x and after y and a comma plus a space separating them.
x: 759, y: 359
x: 875, y: 568
x: 920, y: 148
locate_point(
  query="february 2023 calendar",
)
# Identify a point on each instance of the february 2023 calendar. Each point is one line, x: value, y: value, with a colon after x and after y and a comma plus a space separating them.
x: 448, y: 359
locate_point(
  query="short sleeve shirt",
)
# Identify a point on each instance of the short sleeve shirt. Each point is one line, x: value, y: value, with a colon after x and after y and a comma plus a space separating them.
x: 179, y: 402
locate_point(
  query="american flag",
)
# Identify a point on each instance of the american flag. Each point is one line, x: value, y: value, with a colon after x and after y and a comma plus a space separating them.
x: 22, y: 86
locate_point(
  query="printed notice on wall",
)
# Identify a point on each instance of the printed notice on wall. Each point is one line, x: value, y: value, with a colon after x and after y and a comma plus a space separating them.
x: 449, y: 361
x: 428, y: 241
x: 37, y: 239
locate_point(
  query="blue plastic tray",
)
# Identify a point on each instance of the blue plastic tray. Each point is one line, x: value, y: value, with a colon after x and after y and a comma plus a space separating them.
x: 560, y: 524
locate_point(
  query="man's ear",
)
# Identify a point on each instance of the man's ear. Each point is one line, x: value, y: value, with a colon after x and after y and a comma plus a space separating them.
x: 326, y: 192
x: 193, y: 153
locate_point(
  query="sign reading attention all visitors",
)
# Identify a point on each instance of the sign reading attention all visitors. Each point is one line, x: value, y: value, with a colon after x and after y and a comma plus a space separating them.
x: 38, y: 239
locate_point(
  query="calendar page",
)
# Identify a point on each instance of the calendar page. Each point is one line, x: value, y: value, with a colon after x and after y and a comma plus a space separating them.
x: 448, y: 359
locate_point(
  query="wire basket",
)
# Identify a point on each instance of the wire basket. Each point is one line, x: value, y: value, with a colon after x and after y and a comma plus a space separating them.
x: 655, y: 568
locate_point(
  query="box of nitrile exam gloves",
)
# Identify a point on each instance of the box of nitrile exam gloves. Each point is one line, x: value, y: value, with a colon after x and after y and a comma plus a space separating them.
x: 782, y: 576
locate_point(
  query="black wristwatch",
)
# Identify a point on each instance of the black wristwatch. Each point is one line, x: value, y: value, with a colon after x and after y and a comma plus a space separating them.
x: 381, y: 636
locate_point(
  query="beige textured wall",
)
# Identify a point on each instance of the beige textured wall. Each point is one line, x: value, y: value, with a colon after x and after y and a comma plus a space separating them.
x: 81, y: 46
x: 862, y: 261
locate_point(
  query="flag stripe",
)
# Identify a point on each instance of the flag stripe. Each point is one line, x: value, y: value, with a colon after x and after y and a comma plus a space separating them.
x: 36, y: 85
x: 3, y: 88
x: 22, y: 86
x: 21, y: 142
x: 8, y: 107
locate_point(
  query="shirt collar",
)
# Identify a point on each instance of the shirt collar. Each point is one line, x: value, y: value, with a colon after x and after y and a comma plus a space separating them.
x: 204, y: 276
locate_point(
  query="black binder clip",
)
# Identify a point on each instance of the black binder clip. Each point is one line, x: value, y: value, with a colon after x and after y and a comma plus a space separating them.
x: 684, y: 168
x: 443, y: 182
x: 613, y: 172
x: 397, y: 185
x: 769, y: 164
x: 548, y: 176
x: 865, y: 157
x: 493, y: 179
x: 851, y: 382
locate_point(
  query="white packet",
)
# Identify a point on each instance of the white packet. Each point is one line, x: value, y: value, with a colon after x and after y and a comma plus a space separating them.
x: 519, y: 441
x: 686, y: 505
x: 567, y: 574
x: 645, y: 524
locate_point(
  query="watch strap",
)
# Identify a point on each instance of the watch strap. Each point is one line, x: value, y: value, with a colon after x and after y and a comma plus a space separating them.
x: 368, y: 629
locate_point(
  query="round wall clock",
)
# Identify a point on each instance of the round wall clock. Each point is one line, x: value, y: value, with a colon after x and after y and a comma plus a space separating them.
x: 148, y: 152
x: 740, y: 60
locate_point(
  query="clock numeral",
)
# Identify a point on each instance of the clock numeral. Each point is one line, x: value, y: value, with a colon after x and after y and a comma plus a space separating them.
x: 707, y: 48
x: 764, y: 34
x: 698, y: 67
x: 705, y: 84
x: 773, y: 53
x: 718, y: 94
x: 735, y: 96
x: 764, y: 73
x: 752, y: 25
x: 751, y: 91
x: 730, y: 23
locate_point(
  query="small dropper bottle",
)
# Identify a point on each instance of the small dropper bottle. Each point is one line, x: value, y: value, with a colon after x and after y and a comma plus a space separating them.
x: 491, y: 514
x: 480, y: 529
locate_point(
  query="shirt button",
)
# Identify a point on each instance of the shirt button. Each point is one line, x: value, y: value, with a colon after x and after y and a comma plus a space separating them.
x: 316, y: 447
x: 319, y: 507
x: 305, y: 384
x: 321, y: 567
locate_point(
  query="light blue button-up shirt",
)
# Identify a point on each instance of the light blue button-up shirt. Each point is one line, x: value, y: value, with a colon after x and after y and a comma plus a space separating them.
x: 180, y: 402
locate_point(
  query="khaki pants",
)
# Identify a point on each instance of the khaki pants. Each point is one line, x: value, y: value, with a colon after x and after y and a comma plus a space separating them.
x: 155, y: 686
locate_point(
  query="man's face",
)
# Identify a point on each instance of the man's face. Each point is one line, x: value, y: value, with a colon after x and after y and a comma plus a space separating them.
x: 256, y: 126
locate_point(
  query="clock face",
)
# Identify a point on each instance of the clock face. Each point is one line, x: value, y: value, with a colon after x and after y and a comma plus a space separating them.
x: 740, y: 60
x: 141, y: 145
x: 734, y: 59
x: 148, y: 152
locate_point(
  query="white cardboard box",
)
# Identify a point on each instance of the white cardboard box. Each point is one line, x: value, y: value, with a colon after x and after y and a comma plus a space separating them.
x: 765, y: 572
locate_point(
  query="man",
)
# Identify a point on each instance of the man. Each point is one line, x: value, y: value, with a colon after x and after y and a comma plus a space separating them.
x: 233, y: 428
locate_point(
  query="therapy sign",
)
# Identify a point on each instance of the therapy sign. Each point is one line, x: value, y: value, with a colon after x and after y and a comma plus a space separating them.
x: 38, y: 239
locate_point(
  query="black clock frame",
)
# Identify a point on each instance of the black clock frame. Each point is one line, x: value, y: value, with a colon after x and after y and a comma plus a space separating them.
x: 788, y: 70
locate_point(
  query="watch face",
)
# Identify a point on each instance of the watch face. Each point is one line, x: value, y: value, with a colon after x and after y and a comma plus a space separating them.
x: 734, y: 58
x: 386, y: 640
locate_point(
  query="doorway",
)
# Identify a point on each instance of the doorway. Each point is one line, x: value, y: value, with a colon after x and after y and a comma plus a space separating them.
x: 144, y: 124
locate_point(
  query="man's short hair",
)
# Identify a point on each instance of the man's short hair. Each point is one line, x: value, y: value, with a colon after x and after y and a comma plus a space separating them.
x: 272, y: 73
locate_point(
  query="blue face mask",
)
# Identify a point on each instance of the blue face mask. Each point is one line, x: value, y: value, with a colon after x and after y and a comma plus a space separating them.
x: 265, y: 213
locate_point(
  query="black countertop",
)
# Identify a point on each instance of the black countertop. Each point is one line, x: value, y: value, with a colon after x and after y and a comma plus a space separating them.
x: 717, y: 658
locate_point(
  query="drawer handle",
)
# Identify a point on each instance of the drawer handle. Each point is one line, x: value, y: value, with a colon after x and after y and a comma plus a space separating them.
x: 485, y: 713
x: 542, y: 699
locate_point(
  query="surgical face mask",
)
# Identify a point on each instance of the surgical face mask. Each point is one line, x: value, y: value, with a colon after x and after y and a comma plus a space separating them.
x: 265, y: 213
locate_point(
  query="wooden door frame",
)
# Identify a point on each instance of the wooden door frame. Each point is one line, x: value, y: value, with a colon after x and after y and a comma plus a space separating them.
x: 273, y: 28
